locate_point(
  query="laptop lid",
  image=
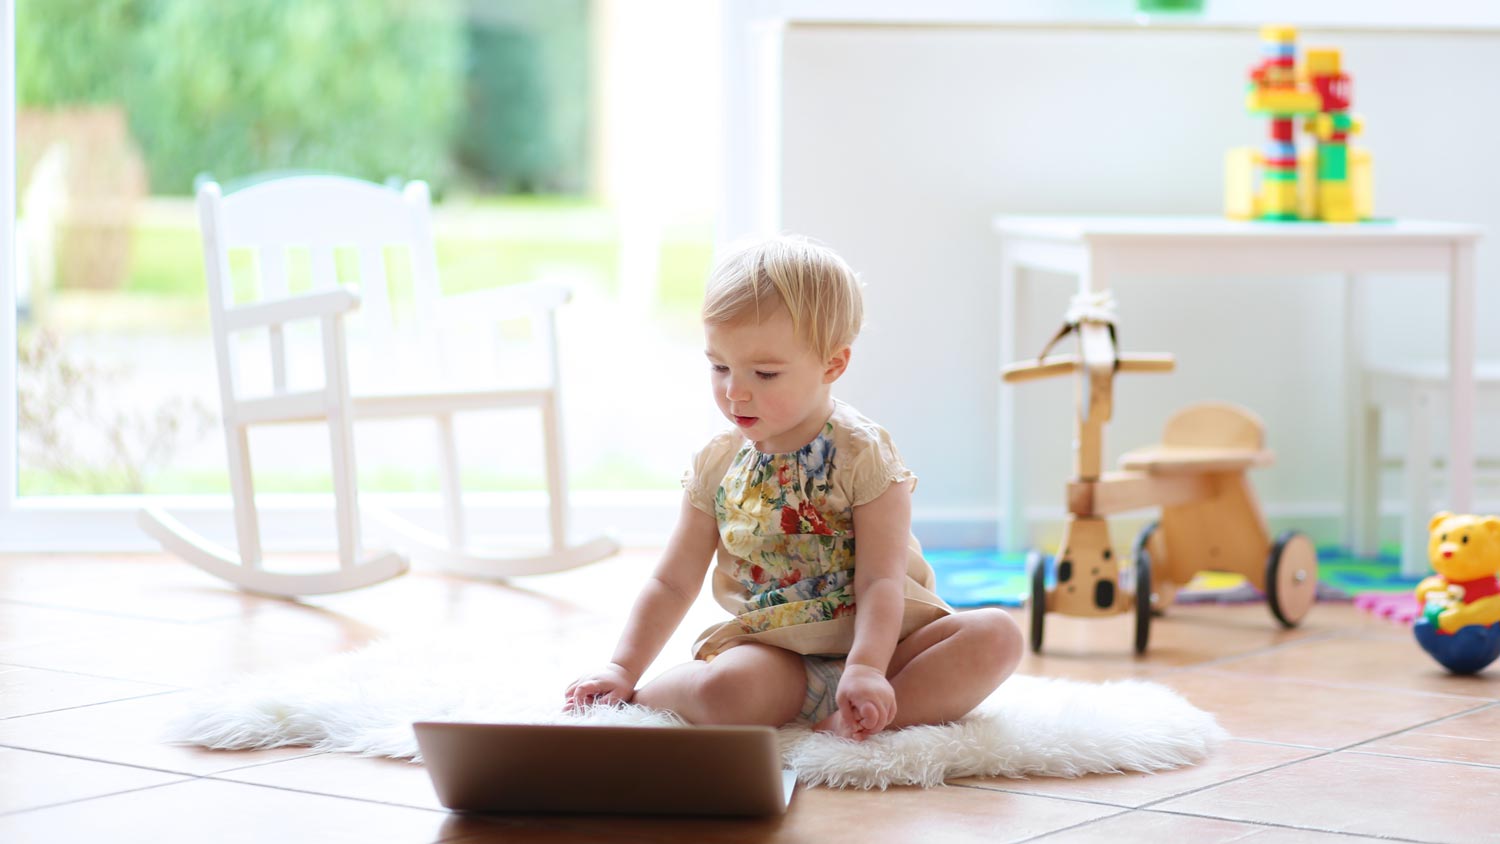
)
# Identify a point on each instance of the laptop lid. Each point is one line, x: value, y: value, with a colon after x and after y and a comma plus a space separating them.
x: 587, y: 768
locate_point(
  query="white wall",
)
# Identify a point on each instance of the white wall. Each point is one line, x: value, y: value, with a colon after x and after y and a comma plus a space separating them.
x: 900, y: 143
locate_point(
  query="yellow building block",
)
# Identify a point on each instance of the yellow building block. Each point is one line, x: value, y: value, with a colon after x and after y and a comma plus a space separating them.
x: 1336, y: 202
x: 1313, y: 201
x: 1307, y: 184
x: 1320, y: 61
x: 1239, y: 184
x: 1278, y: 198
x: 1362, y: 183
x: 1280, y: 33
x: 1283, y: 101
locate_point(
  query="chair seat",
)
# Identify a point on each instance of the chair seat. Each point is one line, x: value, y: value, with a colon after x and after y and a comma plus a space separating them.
x: 1420, y: 391
x: 394, y: 406
x: 1436, y: 372
x: 1391, y: 384
x: 1181, y: 459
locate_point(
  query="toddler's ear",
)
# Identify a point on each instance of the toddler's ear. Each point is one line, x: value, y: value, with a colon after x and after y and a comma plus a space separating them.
x: 836, y: 365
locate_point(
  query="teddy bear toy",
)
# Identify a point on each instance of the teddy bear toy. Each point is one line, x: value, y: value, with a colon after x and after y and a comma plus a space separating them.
x: 1459, y: 623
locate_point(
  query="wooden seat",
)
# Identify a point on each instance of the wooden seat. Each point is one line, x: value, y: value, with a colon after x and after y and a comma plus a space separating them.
x: 1205, y: 437
x: 1167, y: 460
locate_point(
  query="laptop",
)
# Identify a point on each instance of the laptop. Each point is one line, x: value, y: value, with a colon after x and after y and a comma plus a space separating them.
x: 535, y: 768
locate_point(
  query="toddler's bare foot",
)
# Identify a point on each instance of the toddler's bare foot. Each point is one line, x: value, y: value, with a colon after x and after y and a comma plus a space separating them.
x: 832, y: 724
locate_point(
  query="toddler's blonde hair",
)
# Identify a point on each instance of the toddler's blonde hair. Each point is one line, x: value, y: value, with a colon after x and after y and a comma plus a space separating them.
x: 812, y: 281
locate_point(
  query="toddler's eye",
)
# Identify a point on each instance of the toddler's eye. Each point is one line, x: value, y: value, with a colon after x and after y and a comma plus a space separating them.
x: 766, y: 376
x: 718, y: 367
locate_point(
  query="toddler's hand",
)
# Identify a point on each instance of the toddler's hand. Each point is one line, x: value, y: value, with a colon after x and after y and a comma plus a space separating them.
x: 610, y: 684
x: 867, y: 703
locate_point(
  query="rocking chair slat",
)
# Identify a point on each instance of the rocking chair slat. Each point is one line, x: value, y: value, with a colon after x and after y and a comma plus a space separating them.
x: 306, y: 306
x: 322, y: 214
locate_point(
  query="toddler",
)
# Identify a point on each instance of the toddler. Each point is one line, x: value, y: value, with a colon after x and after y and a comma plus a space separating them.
x: 850, y: 641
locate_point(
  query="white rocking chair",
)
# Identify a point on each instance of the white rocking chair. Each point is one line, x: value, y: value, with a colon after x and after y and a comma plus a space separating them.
x: 321, y: 214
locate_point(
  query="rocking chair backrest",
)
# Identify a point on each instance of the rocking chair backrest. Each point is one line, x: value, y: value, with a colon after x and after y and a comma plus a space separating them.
x: 306, y: 234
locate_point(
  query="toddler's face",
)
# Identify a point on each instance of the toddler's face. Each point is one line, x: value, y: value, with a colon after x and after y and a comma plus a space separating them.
x: 769, y: 383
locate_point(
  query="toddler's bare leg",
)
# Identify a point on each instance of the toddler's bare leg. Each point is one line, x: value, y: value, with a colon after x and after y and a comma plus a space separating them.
x: 747, y: 684
x: 943, y: 670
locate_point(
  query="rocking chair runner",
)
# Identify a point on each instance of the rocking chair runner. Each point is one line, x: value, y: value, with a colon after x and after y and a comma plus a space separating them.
x: 321, y: 214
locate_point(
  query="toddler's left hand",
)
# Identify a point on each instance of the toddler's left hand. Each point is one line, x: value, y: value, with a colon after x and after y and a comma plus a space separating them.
x: 867, y: 703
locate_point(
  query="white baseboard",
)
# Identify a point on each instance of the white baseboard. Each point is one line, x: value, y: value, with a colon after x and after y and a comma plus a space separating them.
x: 646, y: 518
x: 305, y: 522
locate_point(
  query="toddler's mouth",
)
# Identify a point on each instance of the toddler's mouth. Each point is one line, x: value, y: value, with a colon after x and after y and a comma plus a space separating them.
x: 746, y: 421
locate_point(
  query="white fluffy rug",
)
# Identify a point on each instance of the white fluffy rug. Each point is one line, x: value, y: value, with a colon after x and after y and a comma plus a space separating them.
x: 364, y: 702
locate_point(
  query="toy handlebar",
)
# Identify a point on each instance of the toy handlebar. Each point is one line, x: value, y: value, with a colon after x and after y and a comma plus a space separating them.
x: 1064, y: 364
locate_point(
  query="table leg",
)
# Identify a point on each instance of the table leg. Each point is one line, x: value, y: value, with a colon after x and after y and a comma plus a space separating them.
x: 1461, y: 326
x: 1357, y: 474
x: 1417, y: 476
x: 1367, y: 534
x: 1012, y: 533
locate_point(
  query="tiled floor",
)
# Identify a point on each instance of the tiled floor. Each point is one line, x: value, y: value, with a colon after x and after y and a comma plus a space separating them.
x: 1343, y: 729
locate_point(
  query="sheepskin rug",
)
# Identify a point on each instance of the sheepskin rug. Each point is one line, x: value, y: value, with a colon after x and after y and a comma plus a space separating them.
x: 364, y: 702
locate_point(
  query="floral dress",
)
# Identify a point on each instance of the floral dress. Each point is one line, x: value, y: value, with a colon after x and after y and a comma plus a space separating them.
x: 786, y: 554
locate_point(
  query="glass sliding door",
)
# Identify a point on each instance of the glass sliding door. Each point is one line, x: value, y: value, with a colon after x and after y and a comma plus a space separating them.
x: 524, y: 116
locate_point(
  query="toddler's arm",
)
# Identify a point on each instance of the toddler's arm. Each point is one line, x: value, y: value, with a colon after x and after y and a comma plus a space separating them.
x: 663, y: 602
x: 882, y: 529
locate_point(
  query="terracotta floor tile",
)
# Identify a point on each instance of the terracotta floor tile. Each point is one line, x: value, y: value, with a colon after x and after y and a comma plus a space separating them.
x: 152, y: 586
x: 381, y: 780
x: 24, y: 626
x: 1306, y: 712
x: 27, y: 691
x: 128, y: 732
x: 1471, y: 738
x: 943, y: 814
x: 74, y: 622
x: 1366, y: 662
x: 1361, y: 794
x: 1146, y: 825
x: 225, y: 813
x: 1233, y: 759
x: 485, y: 829
x: 601, y: 591
x: 1103, y: 648
x: 898, y: 815
x: 560, y: 829
x: 605, y: 588
x: 1188, y: 633
x: 419, y: 602
x: 29, y: 780
x: 185, y: 654
x: 1346, y: 619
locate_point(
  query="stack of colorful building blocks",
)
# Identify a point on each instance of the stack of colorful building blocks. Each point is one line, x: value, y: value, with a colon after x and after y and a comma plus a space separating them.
x: 1330, y: 181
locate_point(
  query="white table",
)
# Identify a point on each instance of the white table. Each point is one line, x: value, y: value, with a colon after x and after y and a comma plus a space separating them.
x: 1102, y: 250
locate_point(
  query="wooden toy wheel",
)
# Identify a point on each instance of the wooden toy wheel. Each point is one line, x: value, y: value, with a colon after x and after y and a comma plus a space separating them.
x: 1142, y: 594
x: 1036, y: 563
x: 1292, y: 577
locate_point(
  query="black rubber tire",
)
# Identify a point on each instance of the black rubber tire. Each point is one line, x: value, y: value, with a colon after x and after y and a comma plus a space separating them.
x: 1142, y: 597
x: 1036, y: 564
x: 1142, y: 544
x: 1290, y: 609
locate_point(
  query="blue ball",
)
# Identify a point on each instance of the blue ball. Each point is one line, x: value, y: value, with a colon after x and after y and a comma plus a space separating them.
x: 1467, y: 651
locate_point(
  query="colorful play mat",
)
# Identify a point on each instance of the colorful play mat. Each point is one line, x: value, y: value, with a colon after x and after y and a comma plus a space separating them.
x: 985, y: 577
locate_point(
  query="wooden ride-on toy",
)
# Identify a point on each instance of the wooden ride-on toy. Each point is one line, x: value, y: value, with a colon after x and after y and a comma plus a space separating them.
x: 1210, y: 517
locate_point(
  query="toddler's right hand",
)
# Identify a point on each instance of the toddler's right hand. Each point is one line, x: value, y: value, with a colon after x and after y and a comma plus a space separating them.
x: 610, y: 684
